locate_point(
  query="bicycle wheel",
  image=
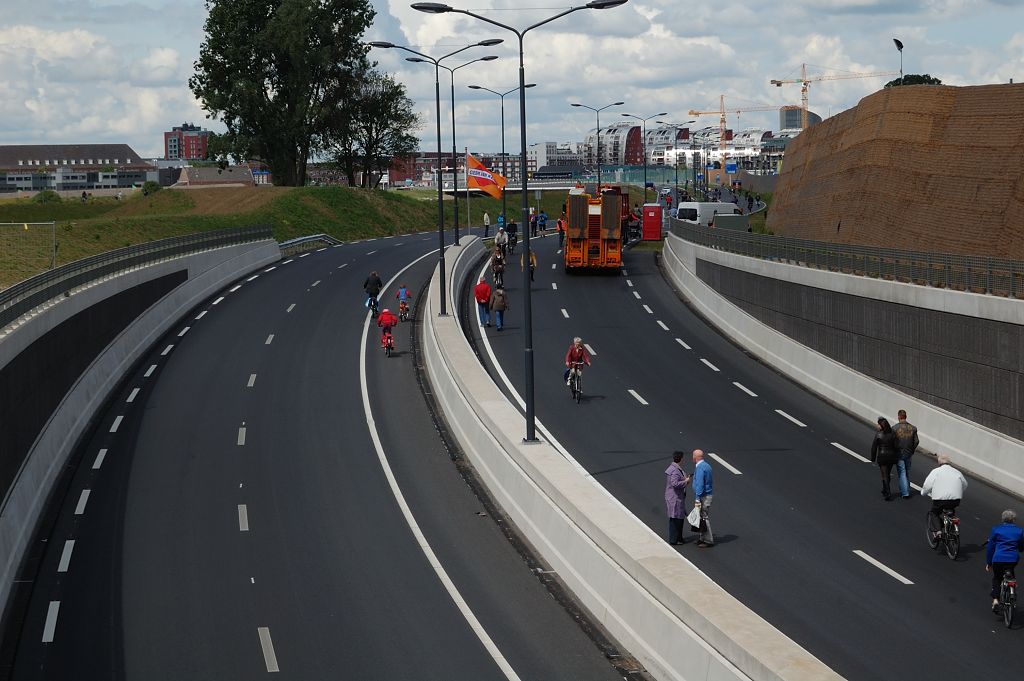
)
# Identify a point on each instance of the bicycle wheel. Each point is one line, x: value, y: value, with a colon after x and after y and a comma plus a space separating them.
x: 952, y: 541
x: 579, y: 387
x: 931, y: 526
x: 1009, y: 605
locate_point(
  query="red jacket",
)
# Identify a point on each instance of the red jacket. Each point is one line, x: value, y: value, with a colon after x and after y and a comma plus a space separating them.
x: 577, y: 355
x: 482, y: 292
x: 387, y: 319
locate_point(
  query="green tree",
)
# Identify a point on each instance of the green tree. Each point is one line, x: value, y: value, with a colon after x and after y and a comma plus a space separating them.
x: 273, y: 71
x: 373, y: 125
x: 914, y: 79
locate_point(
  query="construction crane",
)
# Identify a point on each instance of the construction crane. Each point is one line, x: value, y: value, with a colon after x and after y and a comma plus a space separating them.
x: 805, y: 83
x: 722, y: 111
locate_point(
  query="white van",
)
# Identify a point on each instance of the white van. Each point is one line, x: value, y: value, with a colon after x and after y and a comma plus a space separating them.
x: 703, y: 212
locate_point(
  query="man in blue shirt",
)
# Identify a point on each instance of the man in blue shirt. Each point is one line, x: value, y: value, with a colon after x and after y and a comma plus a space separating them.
x: 1003, y: 551
x: 702, y: 491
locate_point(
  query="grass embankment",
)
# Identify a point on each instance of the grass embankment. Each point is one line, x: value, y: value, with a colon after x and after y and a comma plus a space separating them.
x: 758, y: 220
x: 104, y: 223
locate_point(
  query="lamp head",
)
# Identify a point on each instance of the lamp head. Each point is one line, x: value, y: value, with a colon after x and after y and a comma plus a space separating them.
x: 777, y: 83
x: 663, y: 113
x: 575, y: 105
x: 381, y: 43
x: 490, y: 42
x: 490, y: 57
x: 416, y: 59
x: 605, y: 4
x: 534, y: 85
x: 431, y: 7
x: 474, y: 87
x: 619, y: 103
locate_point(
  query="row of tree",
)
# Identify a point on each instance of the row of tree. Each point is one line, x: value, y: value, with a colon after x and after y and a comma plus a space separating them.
x: 290, y: 80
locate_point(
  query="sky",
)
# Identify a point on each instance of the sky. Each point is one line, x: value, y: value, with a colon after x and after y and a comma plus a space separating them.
x: 116, y: 71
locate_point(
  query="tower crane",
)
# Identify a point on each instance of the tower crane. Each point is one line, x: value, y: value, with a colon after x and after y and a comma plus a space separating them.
x: 805, y: 83
x: 722, y: 111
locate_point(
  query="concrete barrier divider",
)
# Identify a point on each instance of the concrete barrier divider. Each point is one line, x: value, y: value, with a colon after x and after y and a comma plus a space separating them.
x: 667, y: 613
x: 984, y: 452
x: 209, y: 271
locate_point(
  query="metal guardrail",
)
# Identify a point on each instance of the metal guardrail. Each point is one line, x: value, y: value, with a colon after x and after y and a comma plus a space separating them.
x: 26, y: 295
x: 978, y: 274
x: 303, y: 242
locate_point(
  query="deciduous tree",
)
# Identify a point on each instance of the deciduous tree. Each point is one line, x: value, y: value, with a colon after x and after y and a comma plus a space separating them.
x: 914, y: 79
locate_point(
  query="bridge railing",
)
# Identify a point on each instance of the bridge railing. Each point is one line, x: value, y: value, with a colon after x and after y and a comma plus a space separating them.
x: 978, y: 274
x: 26, y: 295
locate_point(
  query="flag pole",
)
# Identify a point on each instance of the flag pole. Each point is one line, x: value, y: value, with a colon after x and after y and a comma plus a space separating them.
x: 469, y: 221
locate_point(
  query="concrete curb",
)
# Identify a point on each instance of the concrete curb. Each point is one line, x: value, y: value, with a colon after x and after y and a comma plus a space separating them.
x: 984, y: 452
x: 669, y: 615
x: 209, y: 271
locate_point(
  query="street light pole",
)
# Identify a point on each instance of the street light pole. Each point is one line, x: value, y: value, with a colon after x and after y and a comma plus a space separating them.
x: 597, y: 155
x: 644, y: 140
x: 675, y: 149
x: 439, y: 8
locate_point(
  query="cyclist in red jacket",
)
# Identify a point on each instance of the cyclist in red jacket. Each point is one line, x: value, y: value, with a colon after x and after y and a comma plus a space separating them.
x: 386, y: 321
x: 575, y: 358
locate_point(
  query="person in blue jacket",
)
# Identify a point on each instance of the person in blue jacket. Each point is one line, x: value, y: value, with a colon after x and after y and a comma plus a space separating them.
x: 1003, y: 551
x: 702, y: 492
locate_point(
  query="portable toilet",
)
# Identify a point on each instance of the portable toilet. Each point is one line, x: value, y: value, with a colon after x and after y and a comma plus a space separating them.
x: 652, y: 222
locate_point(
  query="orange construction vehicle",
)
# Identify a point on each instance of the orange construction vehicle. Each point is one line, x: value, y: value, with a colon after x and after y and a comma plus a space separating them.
x: 595, y: 226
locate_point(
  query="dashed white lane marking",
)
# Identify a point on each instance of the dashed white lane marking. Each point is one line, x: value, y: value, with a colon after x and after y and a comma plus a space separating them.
x: 625, y: 273
x: 166, y: 350
x: 345, y: 264
x: 241, y: 436
x: 321, y: 249
x: 787, y: 416
x: 83, y: 499
x: 554, y: 266
x: 183, y: 331
x: 629, y: 283
x: 636, y: 294
x: 590, y: 349
x: 304, y: 255
x: 637, y: 396
x: 884, y: 568
x: 253, y: 277
x: 252, y: 381
x: 745, y: 389
x: 234, y: 288
x: 725, y: 464
x: 709, y: 365
x: 287, y: 261
x: 851, y: 452
x: 290, y: 307
x: 681, y: 342
x: 149, y: 371
x: 371, y: 252
x: 51, y: 621
x: 116, y: 424
x: 559, y: 251
x: 134, y: 393
x: 102, y: 454
x: 648, y: 309
x: 564, y: 313
x: 243, y: 518
x: 662, y: 325
x: 218, y: 300
x: 554, y: 286
x: 316, y: 282
x: 65, y: 555
x: 270, y: 339
x: 201, y: 314
x: 338, y: 245
x: 270, y: 269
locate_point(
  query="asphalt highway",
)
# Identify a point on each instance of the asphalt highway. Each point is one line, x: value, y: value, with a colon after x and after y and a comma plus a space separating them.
x: 803, y: 535
x: 245, y: 507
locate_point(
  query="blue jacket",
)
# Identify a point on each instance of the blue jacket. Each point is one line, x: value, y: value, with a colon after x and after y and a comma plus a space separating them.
x: 702, y: 480
x: 1004, y: 544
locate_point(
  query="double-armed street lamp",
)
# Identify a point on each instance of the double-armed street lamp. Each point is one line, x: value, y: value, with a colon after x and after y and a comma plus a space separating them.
x: 504, y: 158
x: 597, y: 145
x: 437, y: 102
x: 675, y: 148
x: 644, y: 139
x: 440, y: 8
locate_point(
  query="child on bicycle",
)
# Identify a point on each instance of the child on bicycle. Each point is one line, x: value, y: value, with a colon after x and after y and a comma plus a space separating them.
x: 386, y: 321
x: 404, y: 297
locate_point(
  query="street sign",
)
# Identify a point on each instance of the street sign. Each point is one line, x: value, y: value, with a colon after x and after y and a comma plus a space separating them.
x: 730, y: 168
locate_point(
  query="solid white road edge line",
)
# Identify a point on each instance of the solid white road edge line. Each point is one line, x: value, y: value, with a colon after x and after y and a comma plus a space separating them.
x: 51, y: 621
x: 243, y: 518
x: 709, y: 365
x: 65, y: 555
x: 680, y: 341
x: 637, y: 396
x: 725, y: 464
x: 421, y: 540
x: 884, y: 568
x: 744, y: 389
x: 83, y: 499
x: 787, y: 416
x: 102, y: 454
x: 851, y: 452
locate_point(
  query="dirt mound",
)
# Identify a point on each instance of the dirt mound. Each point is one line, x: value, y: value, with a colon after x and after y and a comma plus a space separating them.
x: 921, y: 167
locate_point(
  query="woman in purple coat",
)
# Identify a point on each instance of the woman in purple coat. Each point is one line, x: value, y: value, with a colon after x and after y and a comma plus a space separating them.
x: 676, y: 481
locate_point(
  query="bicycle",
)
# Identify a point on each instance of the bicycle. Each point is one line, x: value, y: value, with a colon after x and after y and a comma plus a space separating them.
x: 403, y: 311
x: 389, y: 343
x: 499, y: 278
x: 945, y: 531
x: 373, y: 304
x: 512, y: 241
x: 576, y: 381
x: 1008, y: 597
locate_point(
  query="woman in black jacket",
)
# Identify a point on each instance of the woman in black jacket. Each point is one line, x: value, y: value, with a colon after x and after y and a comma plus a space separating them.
x: 883, y: 452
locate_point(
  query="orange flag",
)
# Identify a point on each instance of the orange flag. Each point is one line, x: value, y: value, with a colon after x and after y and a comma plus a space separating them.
x: 479, y: 177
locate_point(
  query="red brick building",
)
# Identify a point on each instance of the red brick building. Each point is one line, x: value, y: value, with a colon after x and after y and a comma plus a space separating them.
x: 186, y: 142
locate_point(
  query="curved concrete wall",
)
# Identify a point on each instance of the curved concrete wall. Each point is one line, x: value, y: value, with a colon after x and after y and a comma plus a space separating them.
x: 671, y: 617
x: 985, y: 452
x: 208, y: 272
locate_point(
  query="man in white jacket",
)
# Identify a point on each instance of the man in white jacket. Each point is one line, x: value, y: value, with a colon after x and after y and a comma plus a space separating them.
x: 945, y: 485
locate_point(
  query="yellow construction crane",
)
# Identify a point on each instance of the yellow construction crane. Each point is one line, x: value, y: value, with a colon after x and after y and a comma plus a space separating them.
x: 805, y: 83
x: 722, y: 111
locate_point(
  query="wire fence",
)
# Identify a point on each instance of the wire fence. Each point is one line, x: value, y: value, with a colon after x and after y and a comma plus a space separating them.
x: 26, y: 295
x: 977, y: 274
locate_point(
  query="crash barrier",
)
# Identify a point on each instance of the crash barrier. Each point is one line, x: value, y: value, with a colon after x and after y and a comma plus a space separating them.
x: 666, y: 612
x: 879, y: 326
x: 305, y: 243
x: 201, y: 274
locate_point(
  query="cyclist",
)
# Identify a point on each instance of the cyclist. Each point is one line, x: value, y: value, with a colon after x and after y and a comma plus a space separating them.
x: 946, y: 486
x: 372, y: 287
x: 1003, y: 551
x: 498, y: 268
x: 575, y: 358
x: 513, y: 235
x: 404, y: 297
x: 386, y: 322
x: 501, y: 240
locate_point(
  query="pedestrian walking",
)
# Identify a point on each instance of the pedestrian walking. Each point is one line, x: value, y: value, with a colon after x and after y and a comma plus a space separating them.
x: 533, y: 263
x: 542, y: 222
x: 487, y: 224
x: 906, y: 445
x: 883, y: 452
x: 482, y: 294
x: 498, y: 304
x: 676, y: 481
x: 702, y: 494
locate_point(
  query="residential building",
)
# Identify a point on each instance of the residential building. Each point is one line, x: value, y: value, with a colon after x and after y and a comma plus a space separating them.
x: 791, y: 118
x: 35, y: 167
x: 186, y: 142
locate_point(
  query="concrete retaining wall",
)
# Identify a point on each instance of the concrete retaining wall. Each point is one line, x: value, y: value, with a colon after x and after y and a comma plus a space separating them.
x: 985, y: 452
x: 670, y: 616
x: 208, y: 272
